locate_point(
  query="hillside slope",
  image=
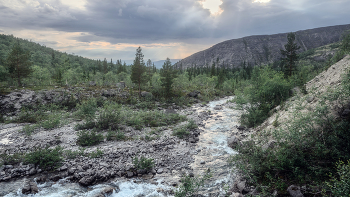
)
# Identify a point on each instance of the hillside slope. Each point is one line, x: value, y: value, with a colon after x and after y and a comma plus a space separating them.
x: 262, y: 48
x: 327, y: 81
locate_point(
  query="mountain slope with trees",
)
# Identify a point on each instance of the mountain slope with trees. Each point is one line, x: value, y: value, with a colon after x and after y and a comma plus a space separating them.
x: 261, y: 49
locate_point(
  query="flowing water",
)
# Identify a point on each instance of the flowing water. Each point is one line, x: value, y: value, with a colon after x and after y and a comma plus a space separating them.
x: 212, y: 153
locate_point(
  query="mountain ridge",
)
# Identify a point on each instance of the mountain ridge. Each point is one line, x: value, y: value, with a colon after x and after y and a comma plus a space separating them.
x: 261, y: 49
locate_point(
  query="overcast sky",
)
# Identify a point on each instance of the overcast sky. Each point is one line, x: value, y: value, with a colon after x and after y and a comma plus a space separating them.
x: 100, y: 29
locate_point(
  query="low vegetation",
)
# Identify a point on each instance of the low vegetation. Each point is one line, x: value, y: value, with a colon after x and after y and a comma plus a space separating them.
x: 191, y: 185
x: 143, y: 163
x: 303, y: 152
x: 46, y: 158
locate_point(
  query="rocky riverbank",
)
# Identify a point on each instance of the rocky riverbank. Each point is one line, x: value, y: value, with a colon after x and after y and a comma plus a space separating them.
x: 173, y: 157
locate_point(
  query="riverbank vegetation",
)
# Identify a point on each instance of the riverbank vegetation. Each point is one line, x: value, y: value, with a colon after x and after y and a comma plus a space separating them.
x: 311, y: 149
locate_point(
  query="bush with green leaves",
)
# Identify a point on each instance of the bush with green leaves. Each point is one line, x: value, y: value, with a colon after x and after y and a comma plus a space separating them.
x: 96, y: 154
x: 29, y: 129
x: 46, y: 158
x: 52, y: 121
x: 11, y: 159
x: 181, y: 132
x: 143, y: 163
x: 191, y: 185
x: 89, y: 138
x: 339, y: 184
x: 115, y: 135
x: 268, y: 88
x: 70, y: 154
x: 304, y: 151
x: 87, y: 109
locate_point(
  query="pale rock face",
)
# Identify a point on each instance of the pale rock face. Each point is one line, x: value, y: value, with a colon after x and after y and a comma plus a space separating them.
x: 262, y: 49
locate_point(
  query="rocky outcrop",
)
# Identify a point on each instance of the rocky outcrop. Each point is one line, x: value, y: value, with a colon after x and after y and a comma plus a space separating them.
x: 30, y: 187
x: 263, y: 48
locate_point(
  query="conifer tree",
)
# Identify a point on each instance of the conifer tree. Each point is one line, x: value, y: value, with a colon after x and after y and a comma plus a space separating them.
x: 18, y: 63
x: 290, y: 55
x: 105, y: 66
x: 138, y: 69
x: 167, y: 73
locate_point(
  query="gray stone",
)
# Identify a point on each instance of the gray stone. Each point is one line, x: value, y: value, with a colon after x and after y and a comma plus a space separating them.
x: 121, y: 85
x: 29, y: 187
x: 92, y: 83
x: 294, y: 191
x: 87, y: 180
x: 218, y: 107
x: 310, y: 99
x: 32, y: 171
x: 129, y: 174
x: 346, y: 113
x: 233, y: 142
x: 194, y: 94
x: 241, y: 186
x: 160, y: 170
x: 202, y: 162
x: 146, y: 94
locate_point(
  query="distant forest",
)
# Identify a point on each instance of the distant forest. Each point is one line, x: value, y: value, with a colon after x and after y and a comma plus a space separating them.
x: 51, y: 67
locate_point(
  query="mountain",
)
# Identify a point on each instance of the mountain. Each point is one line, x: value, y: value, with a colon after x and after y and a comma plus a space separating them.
x: 262, y: 49
x: 159, y: 63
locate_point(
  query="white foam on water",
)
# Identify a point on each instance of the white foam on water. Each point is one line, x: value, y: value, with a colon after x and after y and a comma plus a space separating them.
x: 64, y: 189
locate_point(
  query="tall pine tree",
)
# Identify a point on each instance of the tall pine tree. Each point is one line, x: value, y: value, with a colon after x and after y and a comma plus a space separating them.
x: 18, y: 63
x: 290, y: 55
x: 167, y: 73
x: 138, y: 69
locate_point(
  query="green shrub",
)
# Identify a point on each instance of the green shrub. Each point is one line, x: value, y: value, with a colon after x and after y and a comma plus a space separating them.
x: 191, y: 125
x: 108, y: 118
x: 268, y: 88
x: 86, y: 125
x: 89, y: 138
x: 87, y: 109
x: 143, y: 163
x: 69, y: 154
x: 191, y: 185
x: 46, y: 158
x: 96, y: 154
x: 2, y: 119
x: 115, y: 135
x: 180, y: 132
x: 29, y: 129
x: 8, y: 159
x: 52, y: 122
x: 339, y: 184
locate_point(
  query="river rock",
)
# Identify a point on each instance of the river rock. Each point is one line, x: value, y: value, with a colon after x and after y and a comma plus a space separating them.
x: 160, y: 170
x: 30, y: 187
x: 87, y: 180
x: 194, y: 94
x: 233, y: 142
x: 129, y: 174
x: 218, y: 107
x: 92, y: 83
x: 294, y: 191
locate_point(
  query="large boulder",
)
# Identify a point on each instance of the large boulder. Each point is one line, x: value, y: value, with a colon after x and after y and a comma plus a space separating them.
x: 121, y: 85
x: 87, y: 180
x: 92, y: 83
x: 146, y: 94
x: 30, y: 187
x: 194, y: 94
x: 233, y: 142
x: 294, y: 191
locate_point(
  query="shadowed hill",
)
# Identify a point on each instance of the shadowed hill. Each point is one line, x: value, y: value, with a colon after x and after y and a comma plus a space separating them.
x: 262, y: 49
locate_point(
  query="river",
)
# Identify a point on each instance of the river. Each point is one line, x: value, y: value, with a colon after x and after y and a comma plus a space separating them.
x: 212, y: 153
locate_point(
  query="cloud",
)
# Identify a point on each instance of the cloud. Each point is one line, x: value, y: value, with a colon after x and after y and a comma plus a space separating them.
x: 157, y: 25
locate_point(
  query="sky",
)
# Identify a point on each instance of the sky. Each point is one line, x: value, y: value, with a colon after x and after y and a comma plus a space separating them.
x: 100, y: 29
